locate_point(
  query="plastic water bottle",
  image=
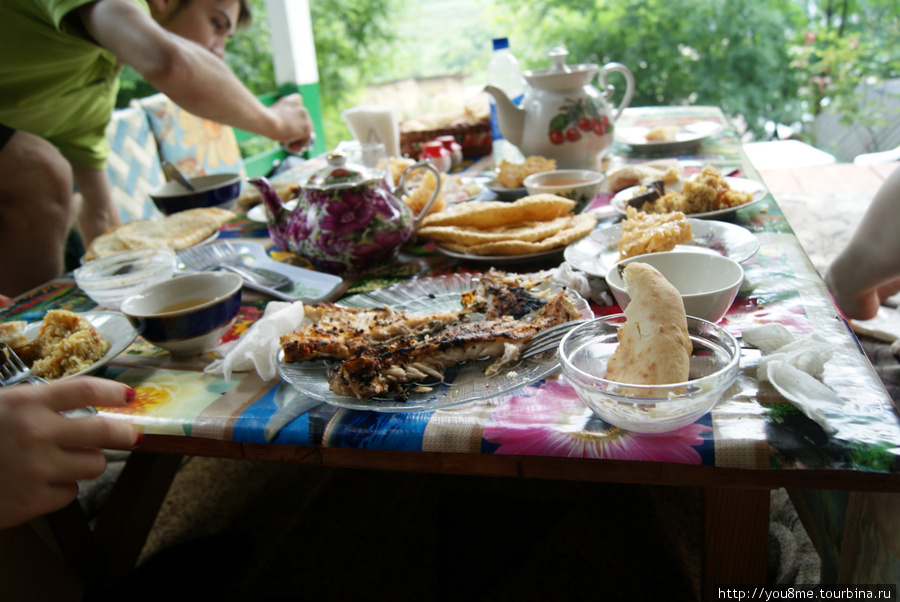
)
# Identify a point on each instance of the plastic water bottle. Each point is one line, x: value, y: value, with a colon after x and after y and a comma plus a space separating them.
x: 503, y: 71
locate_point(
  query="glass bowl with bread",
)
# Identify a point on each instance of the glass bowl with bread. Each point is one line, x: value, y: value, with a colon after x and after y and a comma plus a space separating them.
x: 712, y: 364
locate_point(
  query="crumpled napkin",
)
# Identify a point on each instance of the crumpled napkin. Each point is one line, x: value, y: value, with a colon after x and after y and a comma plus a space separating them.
x: 258, y: 347
x: 591, y: 288
x: 795, y: 367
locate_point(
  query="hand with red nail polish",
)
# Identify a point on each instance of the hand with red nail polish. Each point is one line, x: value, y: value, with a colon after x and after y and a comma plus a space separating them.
x: 43, y: 454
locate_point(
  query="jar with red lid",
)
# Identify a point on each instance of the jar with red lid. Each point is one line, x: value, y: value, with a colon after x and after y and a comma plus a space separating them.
x: 456, y: 152
x: 439, y: 156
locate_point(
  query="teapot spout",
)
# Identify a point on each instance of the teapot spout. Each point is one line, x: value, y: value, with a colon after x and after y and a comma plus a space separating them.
x: 510, y: 118
x: 269, y: 196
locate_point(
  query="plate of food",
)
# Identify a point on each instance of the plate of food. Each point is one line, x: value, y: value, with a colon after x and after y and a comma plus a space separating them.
x: 532, y: 228
x: 667, y: 138
x: 705, y: 195
x: 597, y: 253
x: 456, y: 348
x: 503, y: 193
x: 66, y: 344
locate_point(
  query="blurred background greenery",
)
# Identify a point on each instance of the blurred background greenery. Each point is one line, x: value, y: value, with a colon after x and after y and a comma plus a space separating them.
x: 772, y: 65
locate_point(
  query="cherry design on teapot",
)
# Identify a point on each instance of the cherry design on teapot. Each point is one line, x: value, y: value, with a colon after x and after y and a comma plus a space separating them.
x: 576, y: 116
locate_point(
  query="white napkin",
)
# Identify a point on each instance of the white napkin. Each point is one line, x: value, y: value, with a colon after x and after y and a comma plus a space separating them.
x: 258, y: 347
x: 795, y: 368
x: 374, y: 123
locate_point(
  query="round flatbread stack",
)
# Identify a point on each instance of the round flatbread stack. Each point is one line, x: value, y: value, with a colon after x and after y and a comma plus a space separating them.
x: 532, y: 224
x: 177, y: 232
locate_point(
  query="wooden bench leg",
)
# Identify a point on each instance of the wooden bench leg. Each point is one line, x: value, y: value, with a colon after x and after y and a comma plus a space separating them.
x: 736, y: 537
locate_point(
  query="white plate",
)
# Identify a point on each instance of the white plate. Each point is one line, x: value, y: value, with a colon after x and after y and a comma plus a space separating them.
x: 462, y: 384
x: 687, y: 138
x: 111, y: 325
x: 258, y: 212
x: 620, y: 201
x: 597, y: 253
x: 497, y: 260
x: 503, y: 193
x: 309, y: 286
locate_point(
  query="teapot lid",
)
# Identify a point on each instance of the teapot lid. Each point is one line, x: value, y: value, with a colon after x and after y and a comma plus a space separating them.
x: 561, y: 76
x: 338, y: 173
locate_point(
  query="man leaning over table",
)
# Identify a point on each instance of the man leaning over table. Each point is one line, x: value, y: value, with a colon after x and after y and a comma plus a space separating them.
x: 58, y: 85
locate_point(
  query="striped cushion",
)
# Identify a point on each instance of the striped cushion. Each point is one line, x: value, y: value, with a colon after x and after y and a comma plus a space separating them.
x: 133, y: 165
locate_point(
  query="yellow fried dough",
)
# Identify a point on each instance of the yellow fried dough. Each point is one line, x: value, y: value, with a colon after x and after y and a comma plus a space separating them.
x: 491, y: 214
x: 466, y: 235
x: 581, y: 225
x: 654, y: 346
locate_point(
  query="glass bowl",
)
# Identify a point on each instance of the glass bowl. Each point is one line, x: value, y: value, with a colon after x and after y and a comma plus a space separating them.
x: 109, y: 280
x: 715, y: 360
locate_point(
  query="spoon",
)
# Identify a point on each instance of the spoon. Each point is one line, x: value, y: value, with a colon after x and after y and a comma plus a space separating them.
x: 173, y: 173
x: 259, y: 276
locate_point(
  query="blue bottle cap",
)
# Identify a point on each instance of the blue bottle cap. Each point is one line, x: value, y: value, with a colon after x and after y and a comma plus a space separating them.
x: 501, y: 43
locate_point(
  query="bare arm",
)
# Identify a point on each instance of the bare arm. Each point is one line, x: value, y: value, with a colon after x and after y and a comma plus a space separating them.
x: 868, y: 269
x: 190, y: 75
x: 98, y: 213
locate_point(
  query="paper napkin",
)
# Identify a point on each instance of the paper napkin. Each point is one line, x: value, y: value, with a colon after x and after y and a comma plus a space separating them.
x: 795, y: 367
x: 258, y: 347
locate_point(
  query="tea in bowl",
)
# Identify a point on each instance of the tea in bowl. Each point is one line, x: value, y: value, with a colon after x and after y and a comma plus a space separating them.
x: 186, y: 315
x: 579, y: 185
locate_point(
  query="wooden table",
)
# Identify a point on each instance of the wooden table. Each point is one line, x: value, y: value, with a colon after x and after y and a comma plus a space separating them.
x: 752, y: 442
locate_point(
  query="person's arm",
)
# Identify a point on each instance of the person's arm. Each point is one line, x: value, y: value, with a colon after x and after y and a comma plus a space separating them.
x: 43, y: 454
x: 190, y: 75
x: 98, y: 213
x: 867, y: 270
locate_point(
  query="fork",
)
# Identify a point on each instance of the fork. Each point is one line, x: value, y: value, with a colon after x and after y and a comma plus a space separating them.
x: 548, y: 340
x: 14, y: 371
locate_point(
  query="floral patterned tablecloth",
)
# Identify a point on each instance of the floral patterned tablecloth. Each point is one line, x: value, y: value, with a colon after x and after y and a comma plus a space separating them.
x: 752, y: 427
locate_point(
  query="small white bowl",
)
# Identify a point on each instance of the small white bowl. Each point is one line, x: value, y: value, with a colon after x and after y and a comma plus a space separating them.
x: 111, y: 279
x: 186, y: 315
x: 708, y: 282
x: 579, y: 185
x: 715, y: 361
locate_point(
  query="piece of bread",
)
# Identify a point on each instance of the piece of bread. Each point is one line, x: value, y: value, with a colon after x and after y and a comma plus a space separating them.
x: 654, y: 346
x: 177, y: 232
x: 667, y: 170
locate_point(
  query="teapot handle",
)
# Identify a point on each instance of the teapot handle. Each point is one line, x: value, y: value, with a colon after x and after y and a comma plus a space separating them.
x: 401, y: 187
x: 607, y: 89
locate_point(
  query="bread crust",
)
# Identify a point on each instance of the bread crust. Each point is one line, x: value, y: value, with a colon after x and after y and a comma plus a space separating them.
x: 654, y: 345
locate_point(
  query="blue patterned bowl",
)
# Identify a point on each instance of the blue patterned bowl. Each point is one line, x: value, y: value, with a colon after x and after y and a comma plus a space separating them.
x: 217, y: 190
x: 186, y: 315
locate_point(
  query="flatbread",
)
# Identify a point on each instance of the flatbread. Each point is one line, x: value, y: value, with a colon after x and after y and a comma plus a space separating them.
x: 654, y: 345
x: 526, y: 231
x: 177, y: 232
x: 581, y: 226
x: 492, y: 214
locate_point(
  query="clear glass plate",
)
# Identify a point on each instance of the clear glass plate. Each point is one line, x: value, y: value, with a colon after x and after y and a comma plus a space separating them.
x: 462, y: 384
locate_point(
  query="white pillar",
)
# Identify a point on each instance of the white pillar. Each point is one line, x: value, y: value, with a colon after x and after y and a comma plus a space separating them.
x: 293, y: 49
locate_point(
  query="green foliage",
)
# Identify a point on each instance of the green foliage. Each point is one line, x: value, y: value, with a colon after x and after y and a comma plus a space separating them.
x: 731, y: 54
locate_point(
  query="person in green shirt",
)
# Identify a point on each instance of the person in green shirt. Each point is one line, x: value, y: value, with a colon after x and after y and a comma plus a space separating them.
x: 58, y: 84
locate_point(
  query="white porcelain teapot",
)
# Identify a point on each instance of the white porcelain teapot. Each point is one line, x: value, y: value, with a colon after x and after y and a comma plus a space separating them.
x: 563, y: 116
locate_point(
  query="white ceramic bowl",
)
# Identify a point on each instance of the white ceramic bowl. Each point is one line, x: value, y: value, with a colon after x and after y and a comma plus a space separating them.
x: 186, y: 315
x: 215, y: 190
x: 579, y: 185
x: 708, y: 283
x: 111, y: 279
x: 715, y: 362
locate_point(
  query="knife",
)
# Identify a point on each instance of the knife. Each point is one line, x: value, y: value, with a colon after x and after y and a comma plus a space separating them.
x: 290, y: 404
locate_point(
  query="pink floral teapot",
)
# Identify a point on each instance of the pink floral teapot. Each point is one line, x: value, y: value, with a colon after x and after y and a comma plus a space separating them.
x: 347, y: 219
